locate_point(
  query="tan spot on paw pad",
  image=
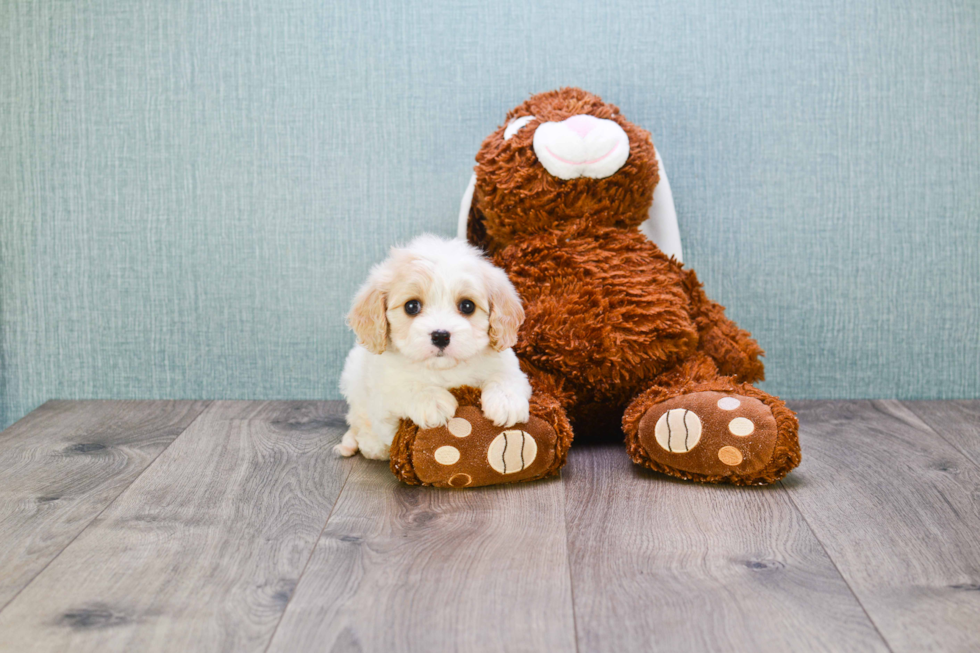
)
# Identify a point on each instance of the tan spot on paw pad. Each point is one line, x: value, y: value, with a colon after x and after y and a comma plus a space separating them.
x: 730, y: 456
x: 460, y: 480
x: 459, y: 427
x: 741, y: 426
x: 729, y: 403
x: 447, y: 455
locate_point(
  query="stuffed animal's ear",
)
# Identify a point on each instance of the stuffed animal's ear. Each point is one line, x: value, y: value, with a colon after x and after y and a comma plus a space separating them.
x: 464, y: 208
x: 367, y: 315
x: 506, y: 311
x: 469, y: 225
x: 661, y: 223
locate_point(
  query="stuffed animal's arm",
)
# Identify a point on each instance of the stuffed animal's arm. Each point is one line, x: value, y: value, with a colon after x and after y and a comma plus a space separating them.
x: 734, y: 350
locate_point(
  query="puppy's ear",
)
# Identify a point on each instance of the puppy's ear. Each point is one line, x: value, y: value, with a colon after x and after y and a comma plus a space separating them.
x: 367, y: 316
x: 506, y: 311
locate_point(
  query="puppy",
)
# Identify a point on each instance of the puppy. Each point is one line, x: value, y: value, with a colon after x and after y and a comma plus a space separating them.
x: 435, y: 315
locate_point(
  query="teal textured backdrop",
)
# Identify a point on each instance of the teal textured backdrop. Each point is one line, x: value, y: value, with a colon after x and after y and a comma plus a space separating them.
x: 190, y: 192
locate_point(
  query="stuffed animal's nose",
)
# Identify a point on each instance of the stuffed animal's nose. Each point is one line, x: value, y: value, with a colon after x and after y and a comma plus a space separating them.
x: 582, y: 125
x: 440, y: 339
x: 581, y: 146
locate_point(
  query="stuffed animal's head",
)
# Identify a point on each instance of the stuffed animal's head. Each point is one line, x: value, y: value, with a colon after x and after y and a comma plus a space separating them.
x: 561, y: 157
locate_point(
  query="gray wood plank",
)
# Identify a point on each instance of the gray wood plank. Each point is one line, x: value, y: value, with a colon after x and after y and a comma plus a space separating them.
x: 665, y: 565
x: 957, y: 422
x: 203, y: 550
x: 898, y: 509
x: 63, y: 464
x: 402, y: 568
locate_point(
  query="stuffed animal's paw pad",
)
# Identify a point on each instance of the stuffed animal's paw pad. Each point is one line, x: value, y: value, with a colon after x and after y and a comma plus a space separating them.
x: 709, y: 433
x: 470, y: 451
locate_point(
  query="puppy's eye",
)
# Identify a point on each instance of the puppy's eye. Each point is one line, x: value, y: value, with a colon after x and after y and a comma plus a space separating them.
x: 466, y: 307
x: 516, y: 125
x: 413, y: 307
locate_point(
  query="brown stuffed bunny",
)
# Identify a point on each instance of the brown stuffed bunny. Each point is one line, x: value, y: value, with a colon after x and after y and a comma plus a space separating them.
x: 615, y: 331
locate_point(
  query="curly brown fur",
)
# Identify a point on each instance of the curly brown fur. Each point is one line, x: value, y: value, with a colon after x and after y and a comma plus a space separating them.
x: 546, y: 406
x: 517, y: 197
x: 604, y: 308
x: 732, y: 349
x: 611, y: 322
x: 601, y: 294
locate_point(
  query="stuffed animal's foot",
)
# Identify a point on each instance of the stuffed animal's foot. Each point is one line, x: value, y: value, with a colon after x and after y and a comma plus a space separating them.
x: 470, y: 451
x: 718, y: 436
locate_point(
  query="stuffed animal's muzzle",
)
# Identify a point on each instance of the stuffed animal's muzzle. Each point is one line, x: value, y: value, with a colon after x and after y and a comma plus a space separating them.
x: 581, y: 146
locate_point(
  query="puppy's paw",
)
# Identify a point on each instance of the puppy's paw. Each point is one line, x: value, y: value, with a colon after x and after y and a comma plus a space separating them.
x: 503, y: 406
x: 372, y: 447
x: 347, y: 446
x: 432, y: 407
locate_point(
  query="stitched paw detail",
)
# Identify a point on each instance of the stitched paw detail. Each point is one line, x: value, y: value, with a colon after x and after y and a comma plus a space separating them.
x: 678, y: 430
x: 512, y: 451
x: 470, y: 451
x: 709, y: 433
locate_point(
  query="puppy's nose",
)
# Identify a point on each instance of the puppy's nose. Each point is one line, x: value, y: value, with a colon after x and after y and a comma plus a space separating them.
x: 440, y: 339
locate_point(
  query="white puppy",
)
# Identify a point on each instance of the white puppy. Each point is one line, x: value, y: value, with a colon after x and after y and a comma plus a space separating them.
x: 435, y: 315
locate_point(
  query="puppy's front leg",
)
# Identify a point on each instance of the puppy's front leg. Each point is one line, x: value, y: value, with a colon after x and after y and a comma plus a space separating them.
x: 347, y: 446
x: 373, y: 446
x: 504, y: 406
x: 505, y: 396
x: 431, y: 407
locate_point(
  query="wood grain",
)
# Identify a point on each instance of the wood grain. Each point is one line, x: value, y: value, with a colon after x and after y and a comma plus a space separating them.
x: 898, y: 509
x: 219, y: 543
x: 203, y: 551
x: 402, y: 568
x: 664, y: 565
x: 63, y: 464
x: 957, y: 422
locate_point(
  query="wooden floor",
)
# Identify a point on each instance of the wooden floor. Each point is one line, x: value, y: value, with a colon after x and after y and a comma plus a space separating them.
x: 207, y: 526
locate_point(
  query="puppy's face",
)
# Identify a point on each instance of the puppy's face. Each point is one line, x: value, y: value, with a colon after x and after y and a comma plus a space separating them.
x: 437, y: 302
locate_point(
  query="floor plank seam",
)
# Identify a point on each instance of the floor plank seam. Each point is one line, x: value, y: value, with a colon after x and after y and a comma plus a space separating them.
x: 316, y: 543
x: 106, y: 507
x: 837, y: 569
x: 962, y: 452
x: 568, y: 558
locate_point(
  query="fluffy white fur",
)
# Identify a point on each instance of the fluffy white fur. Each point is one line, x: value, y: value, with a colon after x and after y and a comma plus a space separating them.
x: 395, y: 370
